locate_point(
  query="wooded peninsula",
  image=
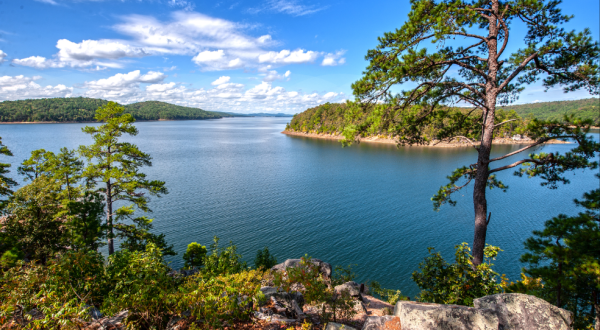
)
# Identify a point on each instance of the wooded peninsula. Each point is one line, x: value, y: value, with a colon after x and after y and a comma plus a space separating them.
x: 83, y: 109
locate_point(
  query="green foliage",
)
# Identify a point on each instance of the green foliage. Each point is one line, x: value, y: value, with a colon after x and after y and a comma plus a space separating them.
x: 565, y: 256
x: 6, y: 183
x: 139, y: 282
x: 114, y: 167
x: 83, y: 224
x: 221, y: 298
x: 388, y: 295
x: 61, y: 292
x: 458, y: 283
x: 194, y: 255
x: 584, y: 109
x: 32, y: 224
x: 137, y: 236
x: 10, y: 257
x: 318, y: 290
x: 264, y: 259
x: 81, y: 109
x: 222, y: 261
x: 36, y: 165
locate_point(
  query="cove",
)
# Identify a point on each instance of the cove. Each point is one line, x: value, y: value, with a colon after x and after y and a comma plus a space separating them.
x: 369, y: 205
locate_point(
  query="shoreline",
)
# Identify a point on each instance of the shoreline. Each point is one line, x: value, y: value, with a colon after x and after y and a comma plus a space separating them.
x: 88, y: 122
x: 375, y: 139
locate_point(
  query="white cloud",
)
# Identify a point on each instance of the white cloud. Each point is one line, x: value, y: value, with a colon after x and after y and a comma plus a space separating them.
x: 221, y: 80
x: 2, y: 56
x: 287, y: 7
x: 273, y: 75
x: 213, y: 44
x: 21, y: 87
x: 333, y: 59
x: 286, y: 57
x: 125, y: 80
x: 51, y: 2
x: 169, y: 69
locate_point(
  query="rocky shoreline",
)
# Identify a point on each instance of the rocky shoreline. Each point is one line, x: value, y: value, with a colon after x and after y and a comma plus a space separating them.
x: 460, y: 142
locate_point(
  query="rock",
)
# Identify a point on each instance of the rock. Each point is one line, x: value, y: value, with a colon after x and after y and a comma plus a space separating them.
x: 297, y: 310
x: 94, y: 312
x: 427, y: 316
x: 35, y: 314
x: 521, y: 311
x: 324, y: 267
x: 111, y: 323
x: 338, y: 326
x: 279, y: 318
x: 351, y: 287
x: 382, y: 323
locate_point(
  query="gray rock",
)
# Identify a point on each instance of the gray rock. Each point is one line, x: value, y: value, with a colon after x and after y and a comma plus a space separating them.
x: 427, y: 316
x: 351, y: 287
x: 324, y: 267
x: 521, y: 311
x: 338, y: 326
x: 388, y: 322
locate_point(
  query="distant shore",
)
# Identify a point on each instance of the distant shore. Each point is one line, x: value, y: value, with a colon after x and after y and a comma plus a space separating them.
x: 435, y: 144
x: 88, y: 122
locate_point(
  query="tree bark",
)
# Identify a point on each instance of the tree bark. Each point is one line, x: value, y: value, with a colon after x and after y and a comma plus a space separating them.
x: 597, y: 308
x: 109, y: 219
x: 487, y: 135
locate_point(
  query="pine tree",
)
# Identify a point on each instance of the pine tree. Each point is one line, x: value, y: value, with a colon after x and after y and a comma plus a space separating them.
x: 469, y: 65
x: 6, y: 183
x: 114, y: 167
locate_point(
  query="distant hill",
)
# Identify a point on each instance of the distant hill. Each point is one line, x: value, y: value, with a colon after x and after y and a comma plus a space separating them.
x: 584, y: 109
x: 80, y: 109
x: 260, y: 114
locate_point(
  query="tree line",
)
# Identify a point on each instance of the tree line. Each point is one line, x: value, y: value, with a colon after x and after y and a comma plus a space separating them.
x: 83, y: 109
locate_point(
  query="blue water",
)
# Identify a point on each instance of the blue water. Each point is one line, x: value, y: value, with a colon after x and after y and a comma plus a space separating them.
x: 369, y: 205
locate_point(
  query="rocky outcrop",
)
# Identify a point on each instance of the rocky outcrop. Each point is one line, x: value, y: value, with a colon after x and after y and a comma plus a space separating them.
x: 324, y: 267
x: 427, y: 316
x: 521, y: 311
x: 338, y: 326
x: 387, y: 322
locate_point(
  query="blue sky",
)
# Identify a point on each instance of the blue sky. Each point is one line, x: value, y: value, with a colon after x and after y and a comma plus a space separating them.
x: 241, y: 56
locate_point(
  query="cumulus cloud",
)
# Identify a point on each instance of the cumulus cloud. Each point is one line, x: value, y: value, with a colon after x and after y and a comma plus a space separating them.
x: 21, y: 87
x: 289, y: 7
x: 84, y: 54
x: 212, y: 43
x: 333, y: 59
x: 2, y: 56
x: 220, y: 80
x: 287, y: 57
x: 273, y: 75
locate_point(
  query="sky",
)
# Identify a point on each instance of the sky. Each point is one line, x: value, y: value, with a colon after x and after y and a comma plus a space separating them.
x: 231, y: 55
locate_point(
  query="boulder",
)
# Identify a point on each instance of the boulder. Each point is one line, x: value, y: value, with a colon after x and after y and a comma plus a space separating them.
x: 338, y: 326
x: 351, y: 287
x: 427, y: 316
x: 521, y: 311
x: 388, y: 322
x: 324, y: 267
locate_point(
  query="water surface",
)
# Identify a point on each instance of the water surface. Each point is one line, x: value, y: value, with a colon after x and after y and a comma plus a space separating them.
x: 369, y: 205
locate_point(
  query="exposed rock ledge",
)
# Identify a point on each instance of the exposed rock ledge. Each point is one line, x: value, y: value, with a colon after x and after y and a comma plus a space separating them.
x: 461, y: 142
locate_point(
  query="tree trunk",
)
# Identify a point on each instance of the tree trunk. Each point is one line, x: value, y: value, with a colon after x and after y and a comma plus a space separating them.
x: 109, y: 219
x: 597, y: 308
x: 487, y: 134
x: 479, y: 188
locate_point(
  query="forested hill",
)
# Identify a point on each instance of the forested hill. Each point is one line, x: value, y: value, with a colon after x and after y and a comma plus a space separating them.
x: 585, y: 109
x: 83, y: 109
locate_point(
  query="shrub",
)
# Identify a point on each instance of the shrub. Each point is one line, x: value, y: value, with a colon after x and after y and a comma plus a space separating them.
x: 388, y: 295
x: 460, y: 282
x: 194, y: 255
x: 264, y: 259
x: 139, y: 282
x: 221, y: 298
x: 223, y: 261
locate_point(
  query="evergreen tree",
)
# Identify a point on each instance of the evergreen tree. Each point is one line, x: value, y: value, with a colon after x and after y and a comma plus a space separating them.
x: 5, y: 182
x: 114, y: 167
x: 66, y: 169
x: 469, y: 65
x: 36, y: 165
x: 566, y: 256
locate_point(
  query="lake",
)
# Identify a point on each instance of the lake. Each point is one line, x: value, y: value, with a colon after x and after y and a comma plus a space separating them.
x: 369, y: 205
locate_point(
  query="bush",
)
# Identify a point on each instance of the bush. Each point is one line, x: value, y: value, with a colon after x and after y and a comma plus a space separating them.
x: 264, y: 259
x: 388, y: 295
x: 458, y: 283
x: 223, y: 261
x: 139, y: 282
x: 61, y: 292
x: 221, y: 298
x: 194, y: 255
